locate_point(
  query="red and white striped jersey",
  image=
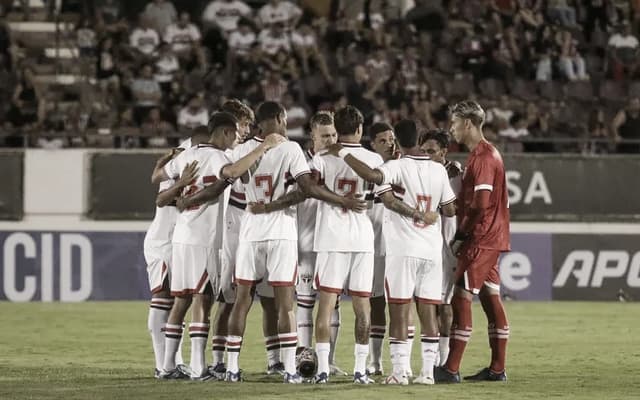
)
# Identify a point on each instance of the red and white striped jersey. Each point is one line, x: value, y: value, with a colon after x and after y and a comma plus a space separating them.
x: 200, y: 225
x: 423, y: 183
x: 307, y: 217
x: 339, y: 230
x: 271, y: 178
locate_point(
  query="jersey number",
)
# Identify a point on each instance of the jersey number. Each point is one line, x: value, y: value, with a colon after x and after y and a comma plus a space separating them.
x: 347, y: 187
x: 266, y: 183
x: 424, y: 204
x: 193, y: 189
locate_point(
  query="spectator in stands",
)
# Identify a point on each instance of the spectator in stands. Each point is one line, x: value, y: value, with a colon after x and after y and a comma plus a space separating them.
x: 514, y: 132
x: 571, y: 62
x: 361, y: 90
x: 274, y: 39
x: 279, y: 12
x: 500, y: 114
x: 193, y: 114
x: 528, y: 13
x: 297, y: 117
x: 146, y: 93
x: 596, y: 13
x: 626, y: 125
x: 623, y: 52
x: 561, y: 11
x: 596, y: 129
x: 224, y: 15
x: 183, y: 36
x: 144, y: 40
x: 27, y: 104
x: 107, y: 66
x: 156, y: 129
x: 305, y: 43
x: 161, y: 14
x: 167, y: 67
x: 241, y: 40
x: 86, y: 38
x: 273, y: 87
x: 378, y: 64
x: 109, y: 18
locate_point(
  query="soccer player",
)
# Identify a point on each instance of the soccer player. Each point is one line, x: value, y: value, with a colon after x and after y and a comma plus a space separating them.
x: 267, y: 248
x: 382, y: 142
x: 157, y: 254
x: 435, y: 144
x: 197, y: 239
x: 483, y: 232
x: 323, y: 134
x: 413, y: 245
x: 344, y: 241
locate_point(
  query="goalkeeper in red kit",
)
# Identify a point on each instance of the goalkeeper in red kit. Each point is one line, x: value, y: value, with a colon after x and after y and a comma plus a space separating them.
x: 483, y: 233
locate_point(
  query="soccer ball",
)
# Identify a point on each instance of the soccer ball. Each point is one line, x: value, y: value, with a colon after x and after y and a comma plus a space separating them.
x: 307, y: 362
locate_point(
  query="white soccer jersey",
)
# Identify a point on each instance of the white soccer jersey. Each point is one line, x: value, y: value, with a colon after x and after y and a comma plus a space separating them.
x: 283, y: 13
x: 449, y: 224
x: 181, y: 39
x: 274, y: 176
x: 226, y: 14
x: 241, y: 43
x: 376, y: 214
x: 307, y: 217
x: 339, y: 230
x: 161, y: 229
x: 420, y: 182
x: 145, y: 40
x: 200, y: 225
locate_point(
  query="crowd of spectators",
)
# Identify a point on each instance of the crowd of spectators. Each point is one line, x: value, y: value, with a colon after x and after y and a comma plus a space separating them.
x: 553, y: 75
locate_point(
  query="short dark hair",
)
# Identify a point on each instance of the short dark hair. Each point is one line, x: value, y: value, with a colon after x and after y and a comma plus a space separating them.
x: 238, y: 109
x: 200, y: 134
x: 269, y: 110
x: 347, y: 120
x: 379, y: 127
x: 407, y: 133
x: 222, y: 119
x: 439, y: 135
x: 321, y: 118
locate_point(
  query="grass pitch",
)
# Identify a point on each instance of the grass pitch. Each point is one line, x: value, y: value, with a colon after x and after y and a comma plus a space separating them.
x: 103, y: 351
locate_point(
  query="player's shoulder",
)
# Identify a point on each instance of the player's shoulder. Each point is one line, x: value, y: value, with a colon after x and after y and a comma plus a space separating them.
x: 289, y: 145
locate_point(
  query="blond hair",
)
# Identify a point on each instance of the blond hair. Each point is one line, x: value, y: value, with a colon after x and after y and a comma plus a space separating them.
x: 468, y: 109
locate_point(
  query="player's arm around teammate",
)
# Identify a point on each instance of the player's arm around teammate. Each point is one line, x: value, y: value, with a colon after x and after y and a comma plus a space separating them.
x: 169, y: 195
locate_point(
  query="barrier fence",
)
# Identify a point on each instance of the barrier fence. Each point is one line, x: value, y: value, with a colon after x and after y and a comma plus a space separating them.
x: 79, y: 266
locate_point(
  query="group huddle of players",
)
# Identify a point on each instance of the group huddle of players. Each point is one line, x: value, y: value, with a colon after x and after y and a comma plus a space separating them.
x: 239, y: 216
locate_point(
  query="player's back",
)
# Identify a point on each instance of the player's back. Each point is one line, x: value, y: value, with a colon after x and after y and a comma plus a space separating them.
x: 337, y: 229
x: 272, y: 177
x: 485, y: 171
x: 201, y: 225
x: 160, y: 231
x: 423, y: 184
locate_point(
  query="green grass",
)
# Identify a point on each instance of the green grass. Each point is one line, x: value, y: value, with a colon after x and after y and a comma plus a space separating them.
x: 102, y: 351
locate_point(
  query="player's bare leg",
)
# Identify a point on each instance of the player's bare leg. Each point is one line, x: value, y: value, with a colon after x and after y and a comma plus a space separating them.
x: 362, y: 310
x: 237, y: 324
x: 270, y: 332
x: 411, y: 333
x: 335, y: 333
x: 287, y: 333
x: 427, y: 314
x: 445, y: 319
x: 326, y: 304
x: 376, y: 337
x: 498, y: 330
x: 461, y: 329
x: 398, y: 332
x: 173, y: 333
x: 199, y: 332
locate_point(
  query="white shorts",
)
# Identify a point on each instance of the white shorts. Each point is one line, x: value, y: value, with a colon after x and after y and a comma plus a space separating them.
x: 407, y: 278
x: 337, y: 271
x: 192, y: 268
x: 449, y: 262
x: 227, y: 291
x: 275, y: 261
x: 306, y: 272
x: 158, y: 260
x: 378, y: 276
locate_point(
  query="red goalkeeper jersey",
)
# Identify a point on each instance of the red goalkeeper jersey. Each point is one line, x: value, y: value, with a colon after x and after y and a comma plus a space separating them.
x: 485, y: 171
